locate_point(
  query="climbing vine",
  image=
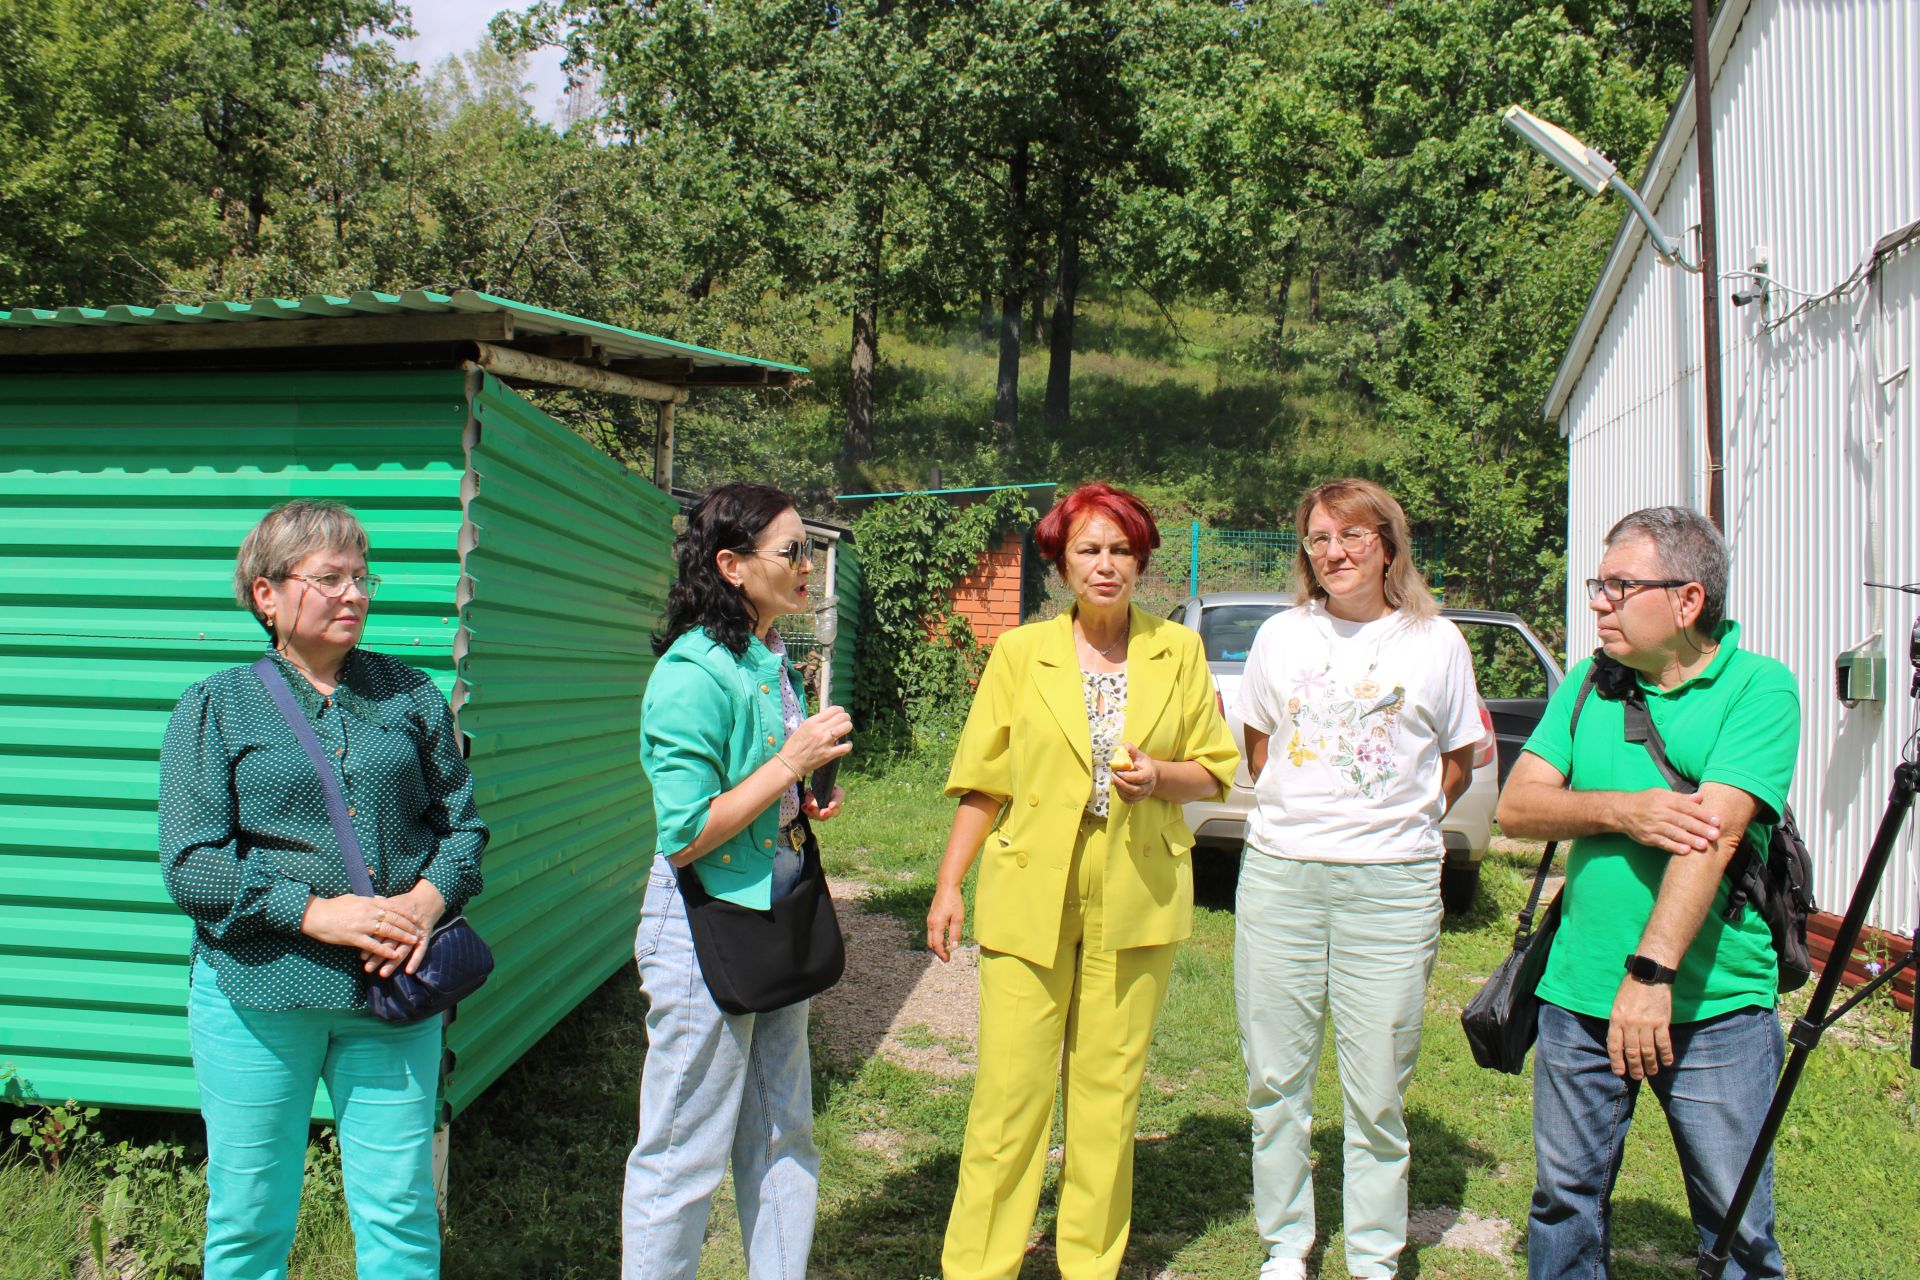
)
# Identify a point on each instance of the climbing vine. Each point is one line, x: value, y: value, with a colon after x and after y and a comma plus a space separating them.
x: 918, y: 660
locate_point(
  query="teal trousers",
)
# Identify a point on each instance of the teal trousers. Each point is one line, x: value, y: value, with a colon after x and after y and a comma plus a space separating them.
x: 257, y: 1070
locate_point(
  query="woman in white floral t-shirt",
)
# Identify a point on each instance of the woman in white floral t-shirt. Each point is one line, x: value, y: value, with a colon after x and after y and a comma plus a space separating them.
x: 1361, y: 721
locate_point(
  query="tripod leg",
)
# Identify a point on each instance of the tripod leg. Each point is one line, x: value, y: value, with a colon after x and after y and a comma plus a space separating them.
x: 1808, y: 1028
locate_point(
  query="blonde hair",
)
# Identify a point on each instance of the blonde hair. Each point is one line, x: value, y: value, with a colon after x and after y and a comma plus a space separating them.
x: 1365, y: 503
x: 289, y: 534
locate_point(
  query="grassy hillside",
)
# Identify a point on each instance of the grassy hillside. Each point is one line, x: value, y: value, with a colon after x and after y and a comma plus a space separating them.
x: 1191, y: 407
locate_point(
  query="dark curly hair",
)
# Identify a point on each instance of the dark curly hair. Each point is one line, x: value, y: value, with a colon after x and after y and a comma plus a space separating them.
x: 729, y: 518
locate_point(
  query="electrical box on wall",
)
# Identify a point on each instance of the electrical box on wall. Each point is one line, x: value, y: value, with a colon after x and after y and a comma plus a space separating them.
x: 1860, y: 674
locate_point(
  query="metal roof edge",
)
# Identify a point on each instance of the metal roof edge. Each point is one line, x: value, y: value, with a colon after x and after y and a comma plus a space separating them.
x: 600, y: 326
x: 1667, y: 154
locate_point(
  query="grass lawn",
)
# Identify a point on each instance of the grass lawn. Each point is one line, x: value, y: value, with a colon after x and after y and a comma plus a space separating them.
x: 536, y: 1164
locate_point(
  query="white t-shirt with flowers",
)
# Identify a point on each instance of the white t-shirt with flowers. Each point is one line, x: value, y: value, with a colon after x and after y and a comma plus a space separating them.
x: 1357, y: 715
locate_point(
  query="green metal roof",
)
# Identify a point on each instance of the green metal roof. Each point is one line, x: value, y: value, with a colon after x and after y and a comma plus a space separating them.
x: 618, y: 342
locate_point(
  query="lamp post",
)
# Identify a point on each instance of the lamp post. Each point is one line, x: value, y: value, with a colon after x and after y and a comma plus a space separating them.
x: 1594, y: 172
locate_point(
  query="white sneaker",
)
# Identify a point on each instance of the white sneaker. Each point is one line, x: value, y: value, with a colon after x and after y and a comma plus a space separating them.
x: 1284, y: 1269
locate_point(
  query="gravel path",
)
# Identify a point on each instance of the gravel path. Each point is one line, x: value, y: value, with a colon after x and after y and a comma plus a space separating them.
x: 896, y: 1000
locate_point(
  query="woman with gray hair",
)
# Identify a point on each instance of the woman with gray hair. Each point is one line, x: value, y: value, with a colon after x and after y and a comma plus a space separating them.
x: 281, y: 944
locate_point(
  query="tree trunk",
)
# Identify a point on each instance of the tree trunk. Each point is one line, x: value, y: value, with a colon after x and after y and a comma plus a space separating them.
x: 1066, y: 290
x: 1037, y: 317
x: 1313, y: 295
x: 857, y: 446
x: 989, y: 320
x: 1006, y: 400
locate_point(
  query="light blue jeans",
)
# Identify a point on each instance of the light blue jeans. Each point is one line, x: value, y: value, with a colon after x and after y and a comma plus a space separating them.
x: 1715, y: 1095
x: 257, y: 1070
x: 1359, y: 941
x: 716, y: 1085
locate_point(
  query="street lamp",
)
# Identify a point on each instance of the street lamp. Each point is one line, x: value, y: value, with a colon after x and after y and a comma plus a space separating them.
x: 1593, y: 171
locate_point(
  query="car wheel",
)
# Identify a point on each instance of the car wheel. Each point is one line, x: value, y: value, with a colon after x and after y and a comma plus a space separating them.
x: 1459, y: 882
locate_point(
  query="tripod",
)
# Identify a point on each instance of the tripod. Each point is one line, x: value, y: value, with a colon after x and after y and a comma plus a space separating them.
x: 1810, y: 1026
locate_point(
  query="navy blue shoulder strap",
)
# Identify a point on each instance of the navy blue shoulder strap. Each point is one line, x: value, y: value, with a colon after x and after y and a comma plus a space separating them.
x: 329, y: 785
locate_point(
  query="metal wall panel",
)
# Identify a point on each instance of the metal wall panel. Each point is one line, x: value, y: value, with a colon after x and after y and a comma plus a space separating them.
x: 122, y: 502
x: 568, y: 557
x: 1817, y: 146
x: 849, y: 584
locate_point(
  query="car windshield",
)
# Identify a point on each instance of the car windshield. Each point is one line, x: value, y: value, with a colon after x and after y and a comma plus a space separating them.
x: 1227, y: 630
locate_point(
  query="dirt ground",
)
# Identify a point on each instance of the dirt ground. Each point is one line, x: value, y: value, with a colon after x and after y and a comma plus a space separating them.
x: 896, y: 1000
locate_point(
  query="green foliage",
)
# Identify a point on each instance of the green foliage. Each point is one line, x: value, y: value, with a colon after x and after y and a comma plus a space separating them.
x: 152, y: 1210
x: 57, y: 1133
x: 918, y: 661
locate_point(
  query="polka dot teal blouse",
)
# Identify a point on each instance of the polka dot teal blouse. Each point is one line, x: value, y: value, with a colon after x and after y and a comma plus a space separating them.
x: 244, y: 836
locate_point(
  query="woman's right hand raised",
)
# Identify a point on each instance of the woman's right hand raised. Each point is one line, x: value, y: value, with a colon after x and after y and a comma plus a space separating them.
x: 946, y: 920
x: 819, y: 738
x: 375, y: 926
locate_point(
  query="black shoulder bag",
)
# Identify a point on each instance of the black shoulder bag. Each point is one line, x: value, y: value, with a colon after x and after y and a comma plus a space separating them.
x: 457, y: 960
x: 757, y: 961
x: 1503, y: 1017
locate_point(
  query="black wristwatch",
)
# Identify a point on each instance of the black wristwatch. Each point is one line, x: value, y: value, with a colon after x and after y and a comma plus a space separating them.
x: 1650, y: 971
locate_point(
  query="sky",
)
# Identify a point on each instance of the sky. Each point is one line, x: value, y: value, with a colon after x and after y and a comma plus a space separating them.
x: 448, y: 27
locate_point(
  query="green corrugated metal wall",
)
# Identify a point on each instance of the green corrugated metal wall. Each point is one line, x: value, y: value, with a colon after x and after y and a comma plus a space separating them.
x: 849, y: 584
x: 568, y: 562
x: 121, y: 503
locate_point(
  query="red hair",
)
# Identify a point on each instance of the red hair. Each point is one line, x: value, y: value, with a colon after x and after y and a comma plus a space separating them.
x: 1128, y: 513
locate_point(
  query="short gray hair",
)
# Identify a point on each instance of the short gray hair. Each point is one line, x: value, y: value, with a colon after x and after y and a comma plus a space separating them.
x: 289, y: 534
x: 1689, y: 547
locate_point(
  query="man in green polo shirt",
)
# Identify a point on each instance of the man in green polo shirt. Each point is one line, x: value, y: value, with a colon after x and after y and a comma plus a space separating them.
x: 1648, y: 979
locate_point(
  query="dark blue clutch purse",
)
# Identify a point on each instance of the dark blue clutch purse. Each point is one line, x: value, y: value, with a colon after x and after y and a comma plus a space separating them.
x: 457, y: 960
x: 457, y: 963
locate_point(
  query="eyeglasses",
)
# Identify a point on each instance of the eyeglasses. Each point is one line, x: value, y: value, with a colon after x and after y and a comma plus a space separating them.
x: 1616, y: 589
x: 1353, y: 541
x: 793, y: 553
x: 334, y: 585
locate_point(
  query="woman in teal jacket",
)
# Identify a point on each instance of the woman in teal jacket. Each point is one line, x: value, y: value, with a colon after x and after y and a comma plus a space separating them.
x: 726, y: 740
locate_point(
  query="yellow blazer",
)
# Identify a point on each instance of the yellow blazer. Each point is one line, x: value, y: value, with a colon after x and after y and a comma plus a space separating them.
x: 1028, y: 744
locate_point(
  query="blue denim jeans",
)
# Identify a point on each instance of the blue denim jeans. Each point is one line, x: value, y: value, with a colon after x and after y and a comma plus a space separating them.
x: 1715, y: 1095
x: 716, y: 1086
x: 257, y: 1069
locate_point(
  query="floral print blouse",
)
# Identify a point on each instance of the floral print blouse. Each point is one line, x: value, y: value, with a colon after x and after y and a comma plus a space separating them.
x: 1106, y: 694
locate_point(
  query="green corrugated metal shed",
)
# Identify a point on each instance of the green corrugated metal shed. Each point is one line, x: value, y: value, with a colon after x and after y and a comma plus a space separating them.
x: 523, y: 570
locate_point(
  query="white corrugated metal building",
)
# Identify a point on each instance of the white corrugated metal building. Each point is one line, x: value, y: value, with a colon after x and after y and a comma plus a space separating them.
x: 1816, y: 119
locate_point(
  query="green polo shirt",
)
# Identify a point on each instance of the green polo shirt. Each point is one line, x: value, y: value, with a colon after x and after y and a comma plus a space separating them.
x: 244, y: 835
x: 1736, y: 723
x: 710, y: 717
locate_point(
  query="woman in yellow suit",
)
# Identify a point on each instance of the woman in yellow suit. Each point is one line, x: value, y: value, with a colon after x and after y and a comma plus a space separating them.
x: 1087, y: 734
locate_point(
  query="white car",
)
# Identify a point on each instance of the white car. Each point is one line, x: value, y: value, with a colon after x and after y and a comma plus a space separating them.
x: 1509, y: 661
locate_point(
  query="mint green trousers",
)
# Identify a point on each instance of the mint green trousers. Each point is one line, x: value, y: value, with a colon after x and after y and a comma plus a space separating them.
x: 1357, y: 942
x: 257, y: 1069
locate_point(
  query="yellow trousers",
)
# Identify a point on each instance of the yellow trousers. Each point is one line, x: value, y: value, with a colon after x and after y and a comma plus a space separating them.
x: 1085, y: 1022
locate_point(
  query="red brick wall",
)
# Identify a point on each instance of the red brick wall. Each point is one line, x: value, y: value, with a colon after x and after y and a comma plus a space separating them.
x: 1823, y: 927
x: 989, y: 597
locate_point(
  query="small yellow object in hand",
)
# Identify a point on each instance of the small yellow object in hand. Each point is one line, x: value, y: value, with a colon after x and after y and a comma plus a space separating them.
x: 1121, y: 760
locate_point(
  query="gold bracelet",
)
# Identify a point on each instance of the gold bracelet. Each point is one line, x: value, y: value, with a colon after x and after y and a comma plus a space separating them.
x: 790, y: 769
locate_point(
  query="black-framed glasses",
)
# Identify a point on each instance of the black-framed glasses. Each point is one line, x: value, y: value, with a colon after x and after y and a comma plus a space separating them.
x: 334, y: 585
x: 1616, y: 589
x: 793, y: 553
x: 1353, y: 541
